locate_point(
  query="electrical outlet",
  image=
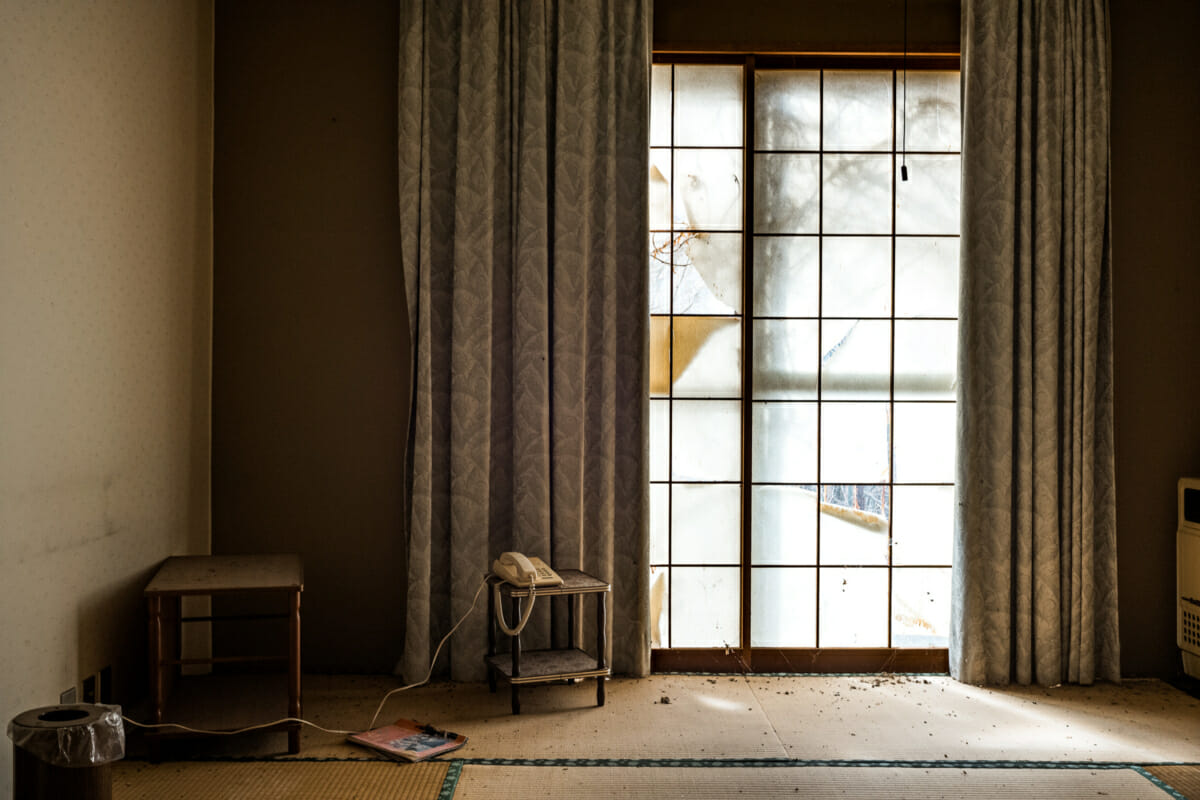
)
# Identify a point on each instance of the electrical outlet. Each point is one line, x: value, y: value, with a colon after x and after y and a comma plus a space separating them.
x: 68, y: 698
x: 106, y: 685
x: 89, y: 689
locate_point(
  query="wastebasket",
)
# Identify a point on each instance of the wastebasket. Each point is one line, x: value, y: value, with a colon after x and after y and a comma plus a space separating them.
x: 66, y: 751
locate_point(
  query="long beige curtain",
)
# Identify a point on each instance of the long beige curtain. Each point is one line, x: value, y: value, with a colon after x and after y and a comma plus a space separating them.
x: 523, y: 157
x: 1035, y: 591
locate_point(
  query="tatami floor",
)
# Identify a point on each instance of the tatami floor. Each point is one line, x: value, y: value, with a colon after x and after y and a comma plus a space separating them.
x: 881, y: 717
x: 817, y: 722
x: 893, y: 717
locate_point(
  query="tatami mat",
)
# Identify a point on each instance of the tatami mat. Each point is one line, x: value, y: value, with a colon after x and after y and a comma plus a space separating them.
x: 1183, y: 779
x: 918, y: 717
x: 668, y: 717
x: 294, y: 780
x: 480, y: 782
x: 787, y: 722
x: 893, y: 717
x: 660, y: 717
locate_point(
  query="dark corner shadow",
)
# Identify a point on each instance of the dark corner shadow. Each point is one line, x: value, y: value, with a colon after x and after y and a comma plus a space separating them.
x: 112, y: 633
x: 1186, y: 684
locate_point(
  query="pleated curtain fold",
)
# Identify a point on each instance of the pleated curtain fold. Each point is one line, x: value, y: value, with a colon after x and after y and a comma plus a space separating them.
x: 522, y: 173
x: 1035, y: 581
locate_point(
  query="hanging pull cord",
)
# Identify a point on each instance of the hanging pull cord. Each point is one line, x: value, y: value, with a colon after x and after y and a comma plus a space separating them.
x: 904, y: 111
x: 503, y: 623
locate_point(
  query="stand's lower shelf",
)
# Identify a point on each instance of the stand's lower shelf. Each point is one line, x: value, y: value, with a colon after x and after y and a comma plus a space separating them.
x: 544, y: 666
x: 523, y: 667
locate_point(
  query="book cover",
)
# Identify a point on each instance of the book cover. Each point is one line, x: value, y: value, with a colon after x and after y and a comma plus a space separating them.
x: 409, y: 741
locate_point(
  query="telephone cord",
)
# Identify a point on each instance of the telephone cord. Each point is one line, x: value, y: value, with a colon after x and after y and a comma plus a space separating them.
x: 501, y: 621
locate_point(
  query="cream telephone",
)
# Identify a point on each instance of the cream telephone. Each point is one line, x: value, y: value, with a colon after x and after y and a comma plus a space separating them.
x: 521, y: 571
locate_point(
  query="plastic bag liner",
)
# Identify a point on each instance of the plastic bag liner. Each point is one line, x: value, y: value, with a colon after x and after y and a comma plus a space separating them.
x: 81, y: 735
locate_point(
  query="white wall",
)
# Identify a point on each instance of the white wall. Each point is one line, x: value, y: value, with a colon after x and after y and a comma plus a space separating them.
x: 105, y: 318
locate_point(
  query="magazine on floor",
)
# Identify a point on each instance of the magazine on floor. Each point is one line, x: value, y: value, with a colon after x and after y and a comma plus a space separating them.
x: 406, y: 740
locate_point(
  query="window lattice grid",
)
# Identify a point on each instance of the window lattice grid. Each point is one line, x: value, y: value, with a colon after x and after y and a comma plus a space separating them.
x: 822, y: 429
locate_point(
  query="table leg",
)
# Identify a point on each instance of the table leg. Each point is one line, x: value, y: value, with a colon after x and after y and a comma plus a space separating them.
x: 175, y: 615
x: 572, y: 608
x: 601, y: 644
x: 294, y: 672
x: 516, y: 659
x: 491, y: 637
x: 157, y: 700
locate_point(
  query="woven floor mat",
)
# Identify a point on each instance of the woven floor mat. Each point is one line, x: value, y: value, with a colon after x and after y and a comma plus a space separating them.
x: 501, y: 782
x: 1184, y: 779
x: 267, y: 780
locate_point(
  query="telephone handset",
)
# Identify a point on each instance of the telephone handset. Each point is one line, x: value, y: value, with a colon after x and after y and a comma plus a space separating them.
x: 521, y: 571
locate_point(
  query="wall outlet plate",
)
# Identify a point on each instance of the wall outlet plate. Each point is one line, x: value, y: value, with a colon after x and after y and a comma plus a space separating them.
x: 68, y: 698
x: 106, y: 685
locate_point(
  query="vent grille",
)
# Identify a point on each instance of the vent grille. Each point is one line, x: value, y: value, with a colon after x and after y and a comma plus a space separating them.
x: 1190, y: 632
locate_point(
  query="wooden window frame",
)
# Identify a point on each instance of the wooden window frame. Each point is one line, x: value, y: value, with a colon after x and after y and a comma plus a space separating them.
x: 746, y: 658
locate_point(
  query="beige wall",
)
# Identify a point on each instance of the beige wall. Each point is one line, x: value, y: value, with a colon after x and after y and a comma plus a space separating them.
x: 105, y: 265
x: 310, y: 330
x: 791, y: 26
x: 1156, y: 283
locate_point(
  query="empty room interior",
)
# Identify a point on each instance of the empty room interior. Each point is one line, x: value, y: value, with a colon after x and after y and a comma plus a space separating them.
x: 831, y: 358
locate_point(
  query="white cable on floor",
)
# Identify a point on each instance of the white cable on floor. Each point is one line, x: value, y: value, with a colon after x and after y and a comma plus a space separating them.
x: 432, y: 662
x: 178, y: 726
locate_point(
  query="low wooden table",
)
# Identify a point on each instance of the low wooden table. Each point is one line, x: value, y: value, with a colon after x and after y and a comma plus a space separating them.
x: 544, y: 666
x: 213, y: 575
